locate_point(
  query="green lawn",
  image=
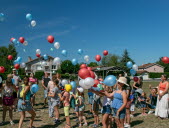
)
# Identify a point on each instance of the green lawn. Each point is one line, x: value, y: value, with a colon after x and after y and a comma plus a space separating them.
x: 42, y: 120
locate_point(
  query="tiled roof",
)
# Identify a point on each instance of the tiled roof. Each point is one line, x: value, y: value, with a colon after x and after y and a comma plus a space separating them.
x: 141, y: 72
x: 148, y: 65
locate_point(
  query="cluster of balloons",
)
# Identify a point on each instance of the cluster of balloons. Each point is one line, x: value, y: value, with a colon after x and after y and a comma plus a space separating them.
x: 20, y: 40
x: 29, y: 18
x: 165, y: 60
x: 18, y: 63
x: 133, y: 68
x: 2, y: 17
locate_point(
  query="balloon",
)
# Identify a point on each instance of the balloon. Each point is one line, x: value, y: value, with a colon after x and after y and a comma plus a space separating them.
x: 105, y: 52
x: 45, y: 57
x: 135, y: 67
x: 10, y: 57
x: 83, y: 66
x: 135, y: 79
x: 92, y: 74
x: 98, y: 58
x: 2, y: 17
x: 74, y: 61
x: 50, y: 39
x: 25, y: 43
x: 165, y: 60
x: 73, y: 83
x: 17, y: 43
x: 23, y: 65
x: 21, y: 40
x: 64, y: 53
x: 68, y: 87
x: 38, y: 55
x: 51, y: 49
x: 57, y: 61
x: 84, y: 73
x: 89, y: 82
x: 64, y: 81
x: 80, y: 51
x: 86, y: 58
x: 16, y: 62
x: 2, y: 69
x: 81, y: 83
x: 132, y: 72
x: 19, y: 59
x: 96, y: 88
x: 43, y: 63
x: 16, y: 66
x: 89, y: 68
x: 110, y: 80
x: 96, y: 82
x: 129, y: 64
x: 34, y: 88
x: 38, y: 51
x: 57, y: 45
x: 14, y: 41
x: 0, y: 79
x: 29, y: 16
x: 33, y: 23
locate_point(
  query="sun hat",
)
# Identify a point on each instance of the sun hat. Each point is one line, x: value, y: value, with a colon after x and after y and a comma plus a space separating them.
x: 80, y: 89
x: 122, y: 80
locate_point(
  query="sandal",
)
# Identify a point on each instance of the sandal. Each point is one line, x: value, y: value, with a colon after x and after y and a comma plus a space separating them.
x: 67, y: 126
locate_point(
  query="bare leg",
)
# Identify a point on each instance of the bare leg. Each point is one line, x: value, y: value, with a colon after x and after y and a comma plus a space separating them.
x: 127, y: 116
x: 80, y: 117
x: 121, y: 125
x: 22, y: 116
x: 109, y: 124
x: 56, y: 112
x: 68, y: 120
x: 33, y: 114
x: 11, y: 113
x: 104, y: 120
x: 4, y: 112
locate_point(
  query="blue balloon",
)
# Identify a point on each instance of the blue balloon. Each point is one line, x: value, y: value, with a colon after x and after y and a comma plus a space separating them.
x: 129, y: 64
x: 14, y: 41
x: 74, y: 61
x: 34, y: 88
x: 29, y: 16
x: 13, y: 81
x: 2, y: 17
x: 16, y: 62
x: 64, y: 53
x: 110, y: 80
x: 80, y: 51
x: 132, y: 72
x: 73, y: 83
x: 19, y: 59
x: 45, y: 57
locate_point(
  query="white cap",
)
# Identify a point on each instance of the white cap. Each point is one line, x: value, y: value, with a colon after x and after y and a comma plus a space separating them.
x: 80, y: 89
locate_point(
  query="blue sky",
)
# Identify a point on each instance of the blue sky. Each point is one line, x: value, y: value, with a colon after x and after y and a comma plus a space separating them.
x: 141, y: 26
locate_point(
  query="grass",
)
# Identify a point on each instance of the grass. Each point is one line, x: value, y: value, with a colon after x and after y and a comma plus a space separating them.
x: 43, y: 121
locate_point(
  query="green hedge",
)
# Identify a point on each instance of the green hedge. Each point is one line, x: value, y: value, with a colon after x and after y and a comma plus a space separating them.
x: 39, y: 75
x: 157, y: 75
x: 68, y: 76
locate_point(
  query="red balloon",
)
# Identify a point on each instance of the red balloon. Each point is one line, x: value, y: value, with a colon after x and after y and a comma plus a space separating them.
x: 12, y: 39
x: 92, y: 74
x: 21, y: 40
x: 105, y: 52
x: 165, y: 60
x: 83, y: 66
x: 84, y: 73
x: 10, y: 57
x: 2, y: 69
x: 135, y: 79
x: 89, y: 68
x: 98, y: 58
x: 16, y: 66
x: 50, y: 39
x: 38, y: 55
x: 96, y: 82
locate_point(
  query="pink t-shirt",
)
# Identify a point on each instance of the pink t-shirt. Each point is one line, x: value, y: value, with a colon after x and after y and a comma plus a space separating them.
x: 33, y: 80
x: 66, y: 96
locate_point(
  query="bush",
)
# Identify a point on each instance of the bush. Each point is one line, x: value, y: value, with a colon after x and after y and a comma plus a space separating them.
x: 39, y: 75
x: 157, y: 75
x: 68, y: 76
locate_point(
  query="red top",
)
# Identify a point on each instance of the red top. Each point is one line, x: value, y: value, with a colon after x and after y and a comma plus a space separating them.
x: 162, y: 86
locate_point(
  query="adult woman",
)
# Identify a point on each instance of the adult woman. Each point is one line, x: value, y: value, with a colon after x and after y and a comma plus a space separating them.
x: 162, y: 100
x: 138, y: 84
x: 24, y: 104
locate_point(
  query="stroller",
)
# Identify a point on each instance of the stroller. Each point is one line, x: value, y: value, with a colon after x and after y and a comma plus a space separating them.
x: 137, y: 94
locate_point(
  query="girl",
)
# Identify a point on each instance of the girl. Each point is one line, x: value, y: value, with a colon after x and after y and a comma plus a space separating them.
x: 8, y: 99
x: 54, y: 101
x: 24, y: 104
x: 81, y: 107
x: 143, y: 100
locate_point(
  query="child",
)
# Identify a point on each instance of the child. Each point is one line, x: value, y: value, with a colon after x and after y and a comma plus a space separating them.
x: 132, y: 103
x: 153, y: 99
x: 54, y: 101
x: 143, y: 100
x: 81, y: 106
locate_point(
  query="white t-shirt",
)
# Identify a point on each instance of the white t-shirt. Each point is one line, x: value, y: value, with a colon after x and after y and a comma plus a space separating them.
x: 106, y: 101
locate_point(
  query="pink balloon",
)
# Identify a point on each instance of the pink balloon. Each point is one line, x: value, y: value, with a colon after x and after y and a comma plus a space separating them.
x: 165, y: 60
x: 105, y: 52
x: 89, y: 68
x: 50, y: 39
x: 92, y: 74
x: 2, y: 69
x: 21, y: 39
x: 10, y: 57
x: 84, y: 73
x: 98, y: 58
x: 83, y: 66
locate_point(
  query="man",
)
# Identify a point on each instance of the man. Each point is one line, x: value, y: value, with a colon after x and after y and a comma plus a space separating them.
x: 45, y: 81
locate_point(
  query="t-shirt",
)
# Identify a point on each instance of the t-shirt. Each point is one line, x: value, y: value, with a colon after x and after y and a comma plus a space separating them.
x: 16, y: 80
x: 46, y: 81
x: 8, y: 91
x: 153, y: 99
x: 50, y: 86
x: 106, y: 101
x: 66, y: 96
x: 132, y: 98
x: 90, y: 93
x: 55, y: 91
x: 143, y: 100
x: 33, y: 80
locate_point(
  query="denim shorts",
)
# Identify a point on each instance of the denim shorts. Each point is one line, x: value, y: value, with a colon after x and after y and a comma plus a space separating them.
x: 143, y: 105
x: 45, y: 94
x: 151, y: 106
x: 106, y: 110
x: 26, y: 107
x: 121, y: 114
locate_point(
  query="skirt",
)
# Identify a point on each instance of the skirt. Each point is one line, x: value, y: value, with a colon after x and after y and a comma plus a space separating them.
x: 162, y: 106
x: 26, y: 107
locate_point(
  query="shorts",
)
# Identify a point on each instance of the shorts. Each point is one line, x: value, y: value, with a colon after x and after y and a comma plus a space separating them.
x: 66, y: 110
x: 132, y: 107
x: 90, y: 99
x: 8, y: 101
x: 45, y: 94
x: 143, y: 105
x: 76, y: 108
x: 72, y: 103
x: 106, y: 110
x: 151, y: 106
x: 81, y: 108
x: 26, y: 107
x: 95, y: 106
x: 122, y: 113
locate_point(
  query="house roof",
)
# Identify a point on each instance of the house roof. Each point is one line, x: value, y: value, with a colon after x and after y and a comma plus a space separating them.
x: 148, y: 65
x: 41, y: 58
x: 142, y: 71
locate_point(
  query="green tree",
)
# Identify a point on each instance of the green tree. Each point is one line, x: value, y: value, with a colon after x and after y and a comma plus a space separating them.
x: 92, y: 64
x: 166, y: 66
x: 110, y: 60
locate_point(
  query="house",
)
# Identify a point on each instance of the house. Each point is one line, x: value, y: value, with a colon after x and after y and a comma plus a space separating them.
x: 145, y: 69
x: 39, y: 64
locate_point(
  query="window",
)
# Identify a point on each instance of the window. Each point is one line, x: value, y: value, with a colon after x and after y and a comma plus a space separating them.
x: 38, y: 67
x: 53, y: 66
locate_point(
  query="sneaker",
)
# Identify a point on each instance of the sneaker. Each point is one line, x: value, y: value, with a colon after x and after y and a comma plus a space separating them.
x: 150, y: 112
x: 56, y: 121
x: 85, y: 124
x: 127, y: 126
x: 131, y: 115
x: 12, y: 123
x: 80, y: 125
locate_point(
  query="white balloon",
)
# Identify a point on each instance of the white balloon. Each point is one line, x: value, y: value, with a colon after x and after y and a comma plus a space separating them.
x: 25, y: 43
x: 81, y: 83
x: 64, y: 81
x: 57, y: 45
x: 135, y: 67
x: 33, y: 23
x: 89, y: 82
x: 86, y: 58
x: 23, y: 65
x: 43, y: 63
x: 57, y: 61
x: 38, y: 51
